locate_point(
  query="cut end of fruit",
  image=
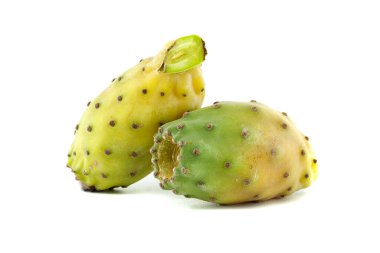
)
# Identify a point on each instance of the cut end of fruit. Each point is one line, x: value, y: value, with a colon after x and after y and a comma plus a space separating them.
x: 185, y: 53
x: 168, y: 158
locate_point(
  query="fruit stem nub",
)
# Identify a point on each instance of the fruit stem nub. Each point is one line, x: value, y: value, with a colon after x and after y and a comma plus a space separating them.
x: 185, y: 53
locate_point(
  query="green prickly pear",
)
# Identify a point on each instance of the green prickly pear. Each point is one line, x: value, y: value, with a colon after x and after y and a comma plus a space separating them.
x: 233, y: 152
x: 112, y: 140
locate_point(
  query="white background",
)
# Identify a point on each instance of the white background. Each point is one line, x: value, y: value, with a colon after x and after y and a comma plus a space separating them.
x: 317, y: 60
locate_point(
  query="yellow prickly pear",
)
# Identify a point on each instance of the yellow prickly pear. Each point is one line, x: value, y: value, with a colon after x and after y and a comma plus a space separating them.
x: 112, y: 140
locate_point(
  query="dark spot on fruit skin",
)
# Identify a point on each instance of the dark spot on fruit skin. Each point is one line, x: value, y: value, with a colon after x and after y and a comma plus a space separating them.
x: 162, y: 93
x: 285, y: 114
x: 306, y: 175
x: 134, y: 154
x: 315, y: 161
x: 202, y: 90
x: 112, y: 123
x: 156, y: 174
x: 153, y: 150
x: 227, y: 165
x: 284, y: 125
x: 196, y: 152
x: 200, y: 184
x: 135, y: 125
x: 209, y: 126
x: 88, y: 104
x: 104, y: 175
x: 97, y: 105
x: 87, y: 152
x: 119, y: 98
x: 254, y: 108
x: 282, y: 196
x: 154, y: 161
x: 85, y: 173
x: 273, y: 152
x: 144, y: 91
x: 184, y: 95
x: 161, y: 124
x: 246, y: 181
x: 88, y: 188
x: 113, y: 80
x: 77, y: 127
x: 107, y: 152
x: 216, y: 104
x: 306, y: 138
x: 132, y: 174
x: 303, y: 152
x: 256, y: 196
x: 89, y: 128
x: 286, y: 174
x: 74, y: 153
x: 289, y: 189
x: 119, y: 79
x: 141, y: 60
x: 244, y: 133
x: 68, y: 155
x: 253, y: 101
x: 180, y: 126
x: 143, y: 69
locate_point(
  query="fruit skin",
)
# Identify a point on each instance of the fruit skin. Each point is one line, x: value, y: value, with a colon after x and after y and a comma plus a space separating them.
x: 233, y: 152
x: 113, y: 137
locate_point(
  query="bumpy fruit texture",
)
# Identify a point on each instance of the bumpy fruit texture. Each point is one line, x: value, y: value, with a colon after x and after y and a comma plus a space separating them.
x: 232, y: 153
x: 112, y: 140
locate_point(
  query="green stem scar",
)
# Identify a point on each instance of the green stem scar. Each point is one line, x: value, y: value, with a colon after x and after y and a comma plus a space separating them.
x: 185, y: 53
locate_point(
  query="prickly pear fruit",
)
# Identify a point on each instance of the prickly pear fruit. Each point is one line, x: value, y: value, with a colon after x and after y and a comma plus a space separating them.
x: 112, y: 140
x: 233, y: 152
